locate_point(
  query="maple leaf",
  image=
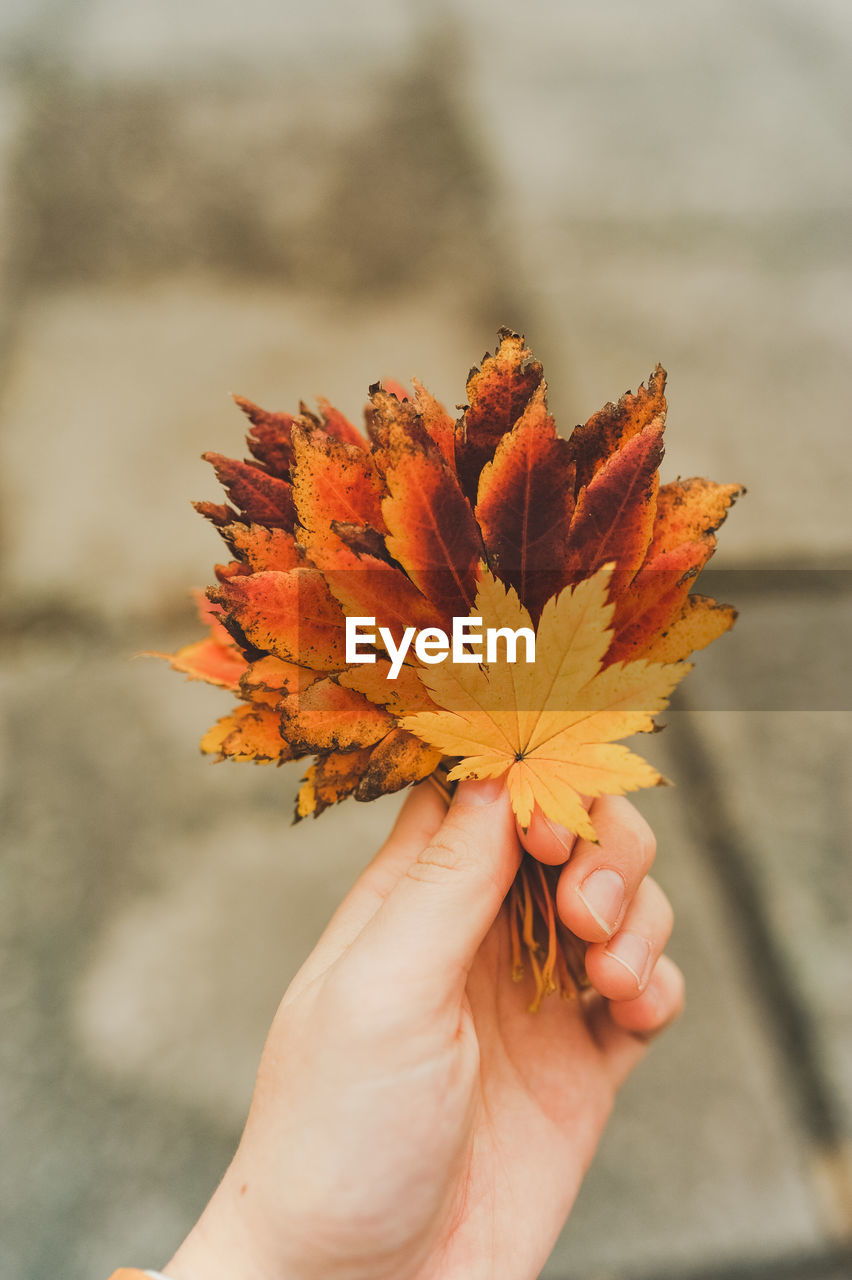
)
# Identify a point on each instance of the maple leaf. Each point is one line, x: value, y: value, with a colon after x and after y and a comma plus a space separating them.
x: 497, y: 392
x: 432, y: 531
x: 524, y: 506
x: 549, y: 727
x: 608, y: 430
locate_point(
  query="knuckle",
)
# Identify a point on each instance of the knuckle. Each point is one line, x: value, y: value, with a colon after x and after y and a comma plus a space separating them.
x: 441, y: 857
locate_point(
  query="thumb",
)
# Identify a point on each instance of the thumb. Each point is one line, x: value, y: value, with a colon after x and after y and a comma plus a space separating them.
x: 430, y: 927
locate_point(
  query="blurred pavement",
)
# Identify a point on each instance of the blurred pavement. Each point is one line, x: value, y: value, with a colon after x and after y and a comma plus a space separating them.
x: 288, y: 201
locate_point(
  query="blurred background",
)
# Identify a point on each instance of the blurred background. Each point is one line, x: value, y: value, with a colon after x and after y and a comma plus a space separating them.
x: 288, y: 200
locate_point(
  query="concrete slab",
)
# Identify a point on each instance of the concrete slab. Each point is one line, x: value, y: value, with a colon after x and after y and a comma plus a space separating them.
x: 674, y: 184
x: 119, y: 392
x: 155, y: 907
x: 13, y: 115
x: 116, y: 38
x: 757, y: 356
x: 363, y: 189
x: 784, y: 778
x: 704, y: 1163
x: 773, y: 720
x: 600, y: 110
x: 117, y: 948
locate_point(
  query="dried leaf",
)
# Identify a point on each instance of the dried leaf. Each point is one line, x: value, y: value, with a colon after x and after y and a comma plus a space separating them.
x: 395, y: 762
x: 400, y: 696
x: 333, y: 480
x: 384, y: 411
x: 656, y: 595
x: 525, y: 505
x: 334, y: 777
x: 292, y: 615
x: 262, y: 498
x: 610, y: 428
x: 220, y: 664
x: 497, y: 394
x: 269, y: 680
x: 264, y: 548
x: 328, y: 717
x: 269, y: 437
x: 432, y: 530
x: 698, y: 623
x: 218, y: 513
x: 436, y: 422
x: 614, y: 515
x: 334, y: 422
x: 233, y: 569
x: 248, y: 733
x: 689, y: 509
x: 334, y: 483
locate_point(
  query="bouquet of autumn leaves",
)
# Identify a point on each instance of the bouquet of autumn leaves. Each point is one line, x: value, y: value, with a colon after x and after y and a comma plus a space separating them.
x: 424, y: 519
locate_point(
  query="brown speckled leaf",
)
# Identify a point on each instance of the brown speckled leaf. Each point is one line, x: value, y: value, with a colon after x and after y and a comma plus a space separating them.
x: 611, y: 427
x: 386, y: 411
x: 497, y: 394
x: 432, y: 530
x: 334, y: 422
x: 436, y: 422
x: 337, y: 484
x: 263, y: 548
x: 395, y: 762
x: 248, y: 733
x: 687, y: 509
x: 698, y: 623
x: 655, y: 596
x: 269, y: 680
x: 218, y: 513
x: 327, y: 717
x: 614, y: 515
x: 262, y: 498
x: 331, y: 779
x: 401, y: 696
x: 209, y: 661
x: 292, y: 615
x: 333, y: 480
x: 269, y: 437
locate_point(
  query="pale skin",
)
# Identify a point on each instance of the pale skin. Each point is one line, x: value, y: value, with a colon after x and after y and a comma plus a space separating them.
x: 411, y: 1120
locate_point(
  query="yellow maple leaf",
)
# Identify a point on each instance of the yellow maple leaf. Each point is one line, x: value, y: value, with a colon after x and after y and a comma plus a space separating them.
x: 551, y: 726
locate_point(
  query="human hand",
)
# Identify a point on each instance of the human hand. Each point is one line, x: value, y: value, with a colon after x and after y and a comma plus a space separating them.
x: 411, y: 1119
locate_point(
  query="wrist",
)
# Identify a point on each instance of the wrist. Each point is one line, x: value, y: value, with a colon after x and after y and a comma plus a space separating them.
x: 221, y: 1245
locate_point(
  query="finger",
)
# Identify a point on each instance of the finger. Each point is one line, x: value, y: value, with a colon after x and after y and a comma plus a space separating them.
x: 623, y: 1029
x: 598, y: 884
x: 547, y: 840
x: 421, y: 815
x: 430, y: 927
x: 621, y: 967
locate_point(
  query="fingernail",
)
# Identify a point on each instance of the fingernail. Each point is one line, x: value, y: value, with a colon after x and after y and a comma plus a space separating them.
x: 565, y: 837
x: 634, y: 952
x: 602, y: 893
x: 479, y: 792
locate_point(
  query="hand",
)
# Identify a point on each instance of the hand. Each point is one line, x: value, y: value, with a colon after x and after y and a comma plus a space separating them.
x: 411, y: 1120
